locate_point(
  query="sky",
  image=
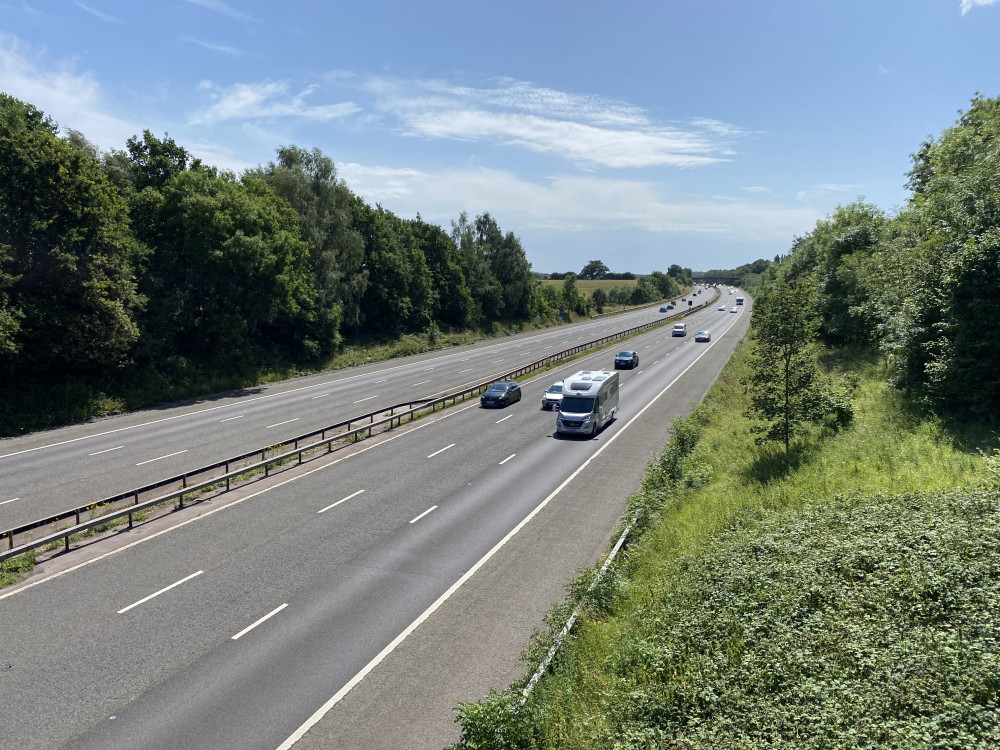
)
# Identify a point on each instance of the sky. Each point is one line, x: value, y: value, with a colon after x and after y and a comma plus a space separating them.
x: 641, y: 134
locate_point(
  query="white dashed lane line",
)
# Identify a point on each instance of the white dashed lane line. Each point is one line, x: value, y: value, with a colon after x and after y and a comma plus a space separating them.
x: 160, y: 458
x: 12, y: 500
x: 106, y: 450
x: 278, y: 424
x: 342, y: 500
x: 507, y: 459
x: 240, y: 416
x: 435, y: 453
x: 432, y: 508
x: 161, y: 591
x: 262, y: 620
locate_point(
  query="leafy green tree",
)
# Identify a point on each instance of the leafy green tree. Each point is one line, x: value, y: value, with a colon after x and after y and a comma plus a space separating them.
x: 68, y: 261
x: 595, y: 269
x: 451, y: 299
x: 324, y: 205
x: 510, y: 267
x: 600, y: 298
x: 681, y: 275
x: 486, y: 290
x: 572, y: 300
x: 228, y: 280
x: 784, y: 384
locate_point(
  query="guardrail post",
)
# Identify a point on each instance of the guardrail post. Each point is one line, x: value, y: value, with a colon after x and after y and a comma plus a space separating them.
x: 184, y: 480
x: 227, y: 476
x: 180, y: 500
x: 130, y: 520
x: 77, y: 518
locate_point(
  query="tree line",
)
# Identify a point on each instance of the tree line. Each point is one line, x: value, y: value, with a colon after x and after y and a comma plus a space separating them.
x: 145, y: 269
x: 921, y: 286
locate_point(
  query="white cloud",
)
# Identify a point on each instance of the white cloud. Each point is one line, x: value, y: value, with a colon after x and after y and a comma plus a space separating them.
x: 224, y: 9
x: 582, y: 128
x: 96, y: 13
x: 968, y: 5
x: 72, y: 99
x: 214, y: 47
x: 246, y: 101
x: 570, y: 204
x: 825, y: 190
x: 757, y: 189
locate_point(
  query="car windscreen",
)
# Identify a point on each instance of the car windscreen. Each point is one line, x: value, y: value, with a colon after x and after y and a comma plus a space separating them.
x: 577, y: 405
x: 625, y: 355
x: 554, y: 389
x: 497, y: 388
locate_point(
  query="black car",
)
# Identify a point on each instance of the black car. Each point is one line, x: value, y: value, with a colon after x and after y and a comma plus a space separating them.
x: 627, y: 359
x: 501, y: 393
x: 703, y: 336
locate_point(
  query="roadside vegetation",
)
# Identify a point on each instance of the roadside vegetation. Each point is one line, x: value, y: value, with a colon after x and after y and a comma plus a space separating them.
x: 816, y: 557
x: 143, y: 275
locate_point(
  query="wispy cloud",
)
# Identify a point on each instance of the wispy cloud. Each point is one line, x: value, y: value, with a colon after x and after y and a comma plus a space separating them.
x: 220, y: 7
x: 824, y: 190
x: 582, y: 128
x: 214, y: 47
x: 570, y: 203
x: 245, y: 101
x: 968, y: 5
x: 72, y: 99
x: 97, y: 13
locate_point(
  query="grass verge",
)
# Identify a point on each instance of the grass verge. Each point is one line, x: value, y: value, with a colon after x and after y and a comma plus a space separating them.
x: 840, y: 596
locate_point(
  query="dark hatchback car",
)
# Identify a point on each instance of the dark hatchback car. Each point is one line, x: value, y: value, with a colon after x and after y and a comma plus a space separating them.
x: 703, y: 336
x: 627, y: 359
x: 501, y: 393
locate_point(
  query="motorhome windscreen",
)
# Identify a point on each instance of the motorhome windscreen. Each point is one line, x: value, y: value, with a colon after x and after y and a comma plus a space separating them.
x: 577, y: 405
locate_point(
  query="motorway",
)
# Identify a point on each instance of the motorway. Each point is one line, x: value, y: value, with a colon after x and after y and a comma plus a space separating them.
x: 234, y: 627
x: 49, y: 472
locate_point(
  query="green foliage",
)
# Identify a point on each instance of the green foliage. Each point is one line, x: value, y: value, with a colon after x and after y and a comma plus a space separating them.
x: 595, y: 269
x: 11, y: 570
x: 784, y: 383
x: 68, y: 295
x: 599, y: 298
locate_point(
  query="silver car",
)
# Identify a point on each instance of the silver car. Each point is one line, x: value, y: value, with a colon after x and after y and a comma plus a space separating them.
x: 553, y: 396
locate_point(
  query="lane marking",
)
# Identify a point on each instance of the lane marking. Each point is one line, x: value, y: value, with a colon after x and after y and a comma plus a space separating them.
x: 432, y: 508
x: 507, y: 459
x: 106, y: 450
x: 505, y: 418
x: 221, y: 406
x: 162, y: 457
x: 322, y: 395
x: 342, y: 500
x: 13, y: 499
x: 461, y: 371
x: 376, y: 382
x: 495, y: 361
x: 230, y: 419
x: 367, y: 398
x: 422, y: 382
x: 442, y: 450
x: 278, y: 424
x: 265, y: 618
x: 161, y: 591
x: 428, y: 368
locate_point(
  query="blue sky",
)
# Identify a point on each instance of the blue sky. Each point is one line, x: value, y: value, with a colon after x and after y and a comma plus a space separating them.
x: 638, y: 133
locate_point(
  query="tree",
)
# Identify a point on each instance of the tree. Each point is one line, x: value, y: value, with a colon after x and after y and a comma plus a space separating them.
x: 595, y: 269
x: 308, y: 181
x: 68, y: 261
x: 600, y: 298
x: 784, y: 384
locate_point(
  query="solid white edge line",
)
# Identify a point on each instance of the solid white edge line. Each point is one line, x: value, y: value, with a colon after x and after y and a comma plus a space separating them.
x: 342, y: 500
x: 504, y: 418
x: 169, y: 455
x: 278, y: 424
x: 507, y: 459
x: 263, y: 619
x: 161, y: 591
x: 106, y: 450
x: 430, y: 509
x: 442, y: 450
x: 354, y: 681
x: 9, y: 501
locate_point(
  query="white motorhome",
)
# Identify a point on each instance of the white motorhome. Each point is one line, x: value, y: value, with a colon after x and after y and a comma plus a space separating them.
x: 589, y: 402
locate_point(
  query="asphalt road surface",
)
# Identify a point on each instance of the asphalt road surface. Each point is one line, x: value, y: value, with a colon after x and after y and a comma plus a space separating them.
x: 348, y: 604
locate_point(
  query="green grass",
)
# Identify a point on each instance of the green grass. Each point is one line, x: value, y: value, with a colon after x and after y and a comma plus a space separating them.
x: 587, y: 286
x: 841, y: 596
x: 11, y: 570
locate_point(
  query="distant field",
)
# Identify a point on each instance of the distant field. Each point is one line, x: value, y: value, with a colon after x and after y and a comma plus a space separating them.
x: 587, y: 287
